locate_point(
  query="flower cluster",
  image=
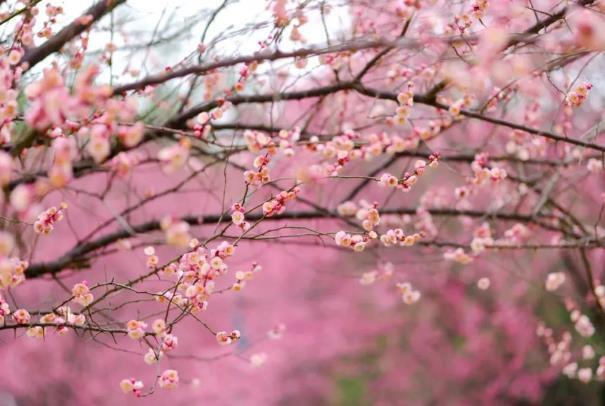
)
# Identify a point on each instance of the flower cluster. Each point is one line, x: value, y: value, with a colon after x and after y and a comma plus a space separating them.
x: 483, y: 172
x: 478, y: 8
x: 131, y: 386
x: 561, y: 355
x: 554, y: 280
x: 65, y: 151
x: 384, y: 272
x: 406, y: 101
x: 21, y: 316
x: 136, y: 329
x: 578, y: 96
x: 176, y: 232
x: 409, y: 179
x: 12, y: 272
x: 482, y: 237
x: 458, y: 255
x: 357, y: 242
x: 81, y: 293
x: 123, y: 163
x: 408, y: 294
x: 47, y: 219
x: 238, y: 216
x: 224, y: 338
x: 456, y: 107
x: 60, y: 319
x: 4, y: 310
x: 256, y: 141
x: 397, y: 237
x: 241, y: 277
x: 169, y: 379
x: 175, y: 156
x: 196, y: 271
x: 261, y: 175
x: 277, y: 205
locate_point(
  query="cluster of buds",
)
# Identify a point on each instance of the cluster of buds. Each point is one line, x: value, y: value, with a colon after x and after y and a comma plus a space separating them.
x: 202, y: 125
x: 594, y: 165
x: 458, y: 255
x: 177, y: 232
x: 406, y: 101
x: 12, y: 272
x: 21, y: 316
x: 340, y: 147
x: 408, y: 294
x: 261, y: 175
x: 151, y: 357
x: 599, y: 292
x: 584, y: 375
x: 224, y: 338
x: 130, y: 136
x: 59, y: 319
x: 277, y: 205
x: 81, y: 293
x: 482, y: 237
x: 196, y: 271
x: 131, y: 386
x: 287, y: 140
x: 46, y: 220
x: 169, y: 379
x: 123, y: 163
x: 175, y: 156
x: 561, y: 355
x: 244, y: 74
x: 554, y: 280
x: 238, y: 216
x: 35, y: 332
x: 517, y: 234
x: 52, y: 105
x: 152, y: 258
x: 482, y: 171
x: 397, y: 144
x: 583, y: 324
x: 368, y: 216
x: 159, y: 327
x: 4, y: 310
x: 356, y: 242
x: 65, y: 151
x: 241, y: 277
x: 98, y: 146
x: 559, y: 351
x: 478, y: 8
x: 256, y: 141
x: 409, y: 179
x: 456, y: 107
x: 136, y: 329
x: 169, y: 342
x: 578, y: 96
x: 384, y: 272
x: 462, y: 22
x: 347, y: 209
x: 397, y: 237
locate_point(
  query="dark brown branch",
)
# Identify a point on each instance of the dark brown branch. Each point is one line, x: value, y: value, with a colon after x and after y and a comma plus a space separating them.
x: 75, y: 256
